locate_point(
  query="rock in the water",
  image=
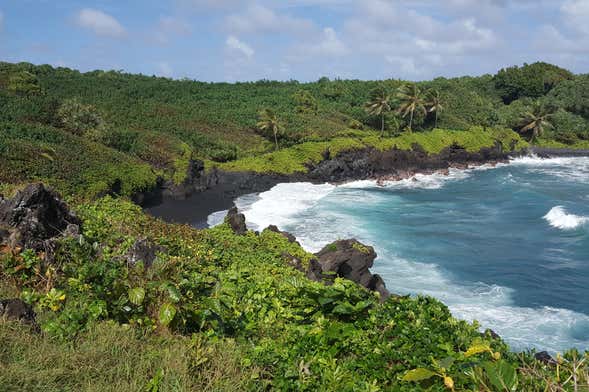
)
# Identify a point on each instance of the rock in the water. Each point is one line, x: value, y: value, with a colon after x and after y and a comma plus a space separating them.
x: 352, y: 260
x: 33, y: 216
x: 287, y: 235
x: 143, y: 251
x: 236, y: 221
x: 17, y: 310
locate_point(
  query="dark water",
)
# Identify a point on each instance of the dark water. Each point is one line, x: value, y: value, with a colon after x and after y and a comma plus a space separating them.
x: 507, y: 246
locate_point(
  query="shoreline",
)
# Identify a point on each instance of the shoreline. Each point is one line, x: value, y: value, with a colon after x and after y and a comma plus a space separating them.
x: 211, y: 191
x: 216, y: 190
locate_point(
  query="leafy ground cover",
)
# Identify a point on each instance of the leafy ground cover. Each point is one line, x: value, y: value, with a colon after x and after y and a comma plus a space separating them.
x: 218, y: 311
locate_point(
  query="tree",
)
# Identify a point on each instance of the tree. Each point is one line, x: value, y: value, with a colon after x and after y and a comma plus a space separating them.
x: 378, y: 105
x: 434, y: 104
x: 24, y: 83
x: 268, y: 123
x: 80, y: 119
x: 306, y: 102
x: 410, y: 98
x: 530, y: 80
x: 535, y: 121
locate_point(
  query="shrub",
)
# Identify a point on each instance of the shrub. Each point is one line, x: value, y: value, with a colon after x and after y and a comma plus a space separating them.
x: 80, y: 119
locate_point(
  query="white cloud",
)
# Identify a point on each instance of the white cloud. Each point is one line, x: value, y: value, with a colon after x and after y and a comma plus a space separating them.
x: 100, y: 22
x: 169, y: 26
x: 576, y: 13
x: 164, y: 69
x: 258, y: 19
x: 235, y: 45
x: 329, y: 44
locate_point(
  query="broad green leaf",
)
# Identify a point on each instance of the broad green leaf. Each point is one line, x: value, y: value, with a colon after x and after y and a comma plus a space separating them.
x: 344, y: 309
x: 418, y: 374
x: 174, y: 293
x: 446, y: 363
x: 477, y: 349
x: 167, y: 313
x: 136, y: 295
x: 502, y: 375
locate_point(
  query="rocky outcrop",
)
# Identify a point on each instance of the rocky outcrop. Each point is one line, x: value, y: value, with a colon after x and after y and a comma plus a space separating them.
x: 236, y: 221
x: 17, y: 310
x: 143, y: 251
x: 285, y: 234
x: 34, y: 216
x: 349, y: 259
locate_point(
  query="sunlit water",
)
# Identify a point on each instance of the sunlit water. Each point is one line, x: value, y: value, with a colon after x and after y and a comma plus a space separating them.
x: 508, y: 246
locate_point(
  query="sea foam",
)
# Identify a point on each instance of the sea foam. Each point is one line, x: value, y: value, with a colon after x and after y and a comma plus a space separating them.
x: 558, y: 217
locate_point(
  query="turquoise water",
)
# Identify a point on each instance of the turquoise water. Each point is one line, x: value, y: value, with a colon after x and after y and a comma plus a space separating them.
x: 508, y: 246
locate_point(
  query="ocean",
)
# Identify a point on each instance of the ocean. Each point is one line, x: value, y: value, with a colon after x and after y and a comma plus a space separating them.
x: 506, y: 245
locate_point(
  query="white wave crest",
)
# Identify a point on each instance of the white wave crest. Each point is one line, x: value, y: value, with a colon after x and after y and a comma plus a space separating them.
x: 280, y: 204
x: 560, y: 219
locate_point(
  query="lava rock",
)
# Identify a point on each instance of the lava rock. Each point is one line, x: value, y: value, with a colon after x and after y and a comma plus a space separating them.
x: 352, y: 260
x: 33, y: 216
x: 544, y: 357
x: 18, y: 310
x: 236, y: 221
x: 287, y: 235
x: 143, y: 251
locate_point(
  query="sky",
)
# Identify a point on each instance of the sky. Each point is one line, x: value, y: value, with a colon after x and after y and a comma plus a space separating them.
x: 242, y: 40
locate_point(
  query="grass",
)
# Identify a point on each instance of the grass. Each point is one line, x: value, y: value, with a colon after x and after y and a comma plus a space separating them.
x: 297, y: 158
x: 109, y: 357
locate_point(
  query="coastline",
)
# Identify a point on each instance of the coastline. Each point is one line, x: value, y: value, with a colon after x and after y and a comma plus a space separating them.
x: 206, y: 192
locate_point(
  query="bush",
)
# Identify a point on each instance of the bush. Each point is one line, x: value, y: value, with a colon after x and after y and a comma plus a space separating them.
x: 80, y: 119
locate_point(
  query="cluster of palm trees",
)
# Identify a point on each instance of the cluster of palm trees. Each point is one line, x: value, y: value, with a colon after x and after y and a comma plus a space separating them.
x: 409, y: 100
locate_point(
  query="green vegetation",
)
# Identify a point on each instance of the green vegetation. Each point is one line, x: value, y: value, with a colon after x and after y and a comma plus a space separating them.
x: 126, y: 130
x: 217, y: 311
x: 295, y: 159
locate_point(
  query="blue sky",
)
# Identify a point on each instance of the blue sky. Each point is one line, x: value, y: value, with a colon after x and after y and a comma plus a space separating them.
x: 229, y: 40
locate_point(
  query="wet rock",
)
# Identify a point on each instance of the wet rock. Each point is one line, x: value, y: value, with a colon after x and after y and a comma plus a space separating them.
x: 287, y: 235
x: 236, y: 221
x: 544, y: 357
x: 143, y: 251
x: 34, y: 215
x: 17, y: 310
x: 352, y: 260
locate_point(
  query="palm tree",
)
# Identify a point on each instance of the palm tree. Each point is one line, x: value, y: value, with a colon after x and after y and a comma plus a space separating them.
x: 434, y: 104
x: 268, y: 123
x: 379, y: 105
x: 411, y: 101
x: 535, y: 121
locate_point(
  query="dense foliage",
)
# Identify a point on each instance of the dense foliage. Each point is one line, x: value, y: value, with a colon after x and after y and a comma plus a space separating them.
x: 218, y: 311
x: 289, y: 333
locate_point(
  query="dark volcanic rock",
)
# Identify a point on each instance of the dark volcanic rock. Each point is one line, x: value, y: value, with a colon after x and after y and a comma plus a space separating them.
x: 236, y: 221
x: 285, y: 234
x: 34, y: 215
x: 352, y: 260
x: 17, y: 310
x: 544, y: 357
x: 143, y: 251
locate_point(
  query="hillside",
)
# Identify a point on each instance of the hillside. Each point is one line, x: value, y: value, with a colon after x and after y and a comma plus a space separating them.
x: 136, y: 128
x: 125, y: 301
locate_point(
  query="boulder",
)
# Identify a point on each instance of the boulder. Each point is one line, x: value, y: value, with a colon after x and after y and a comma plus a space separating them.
x: 352, y: 260
x: 35, y: 215
x: 544, y: 357
x: 143, y: 251
x: 285, y: 234
x: 17, y: 310
x: 236, y: 221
